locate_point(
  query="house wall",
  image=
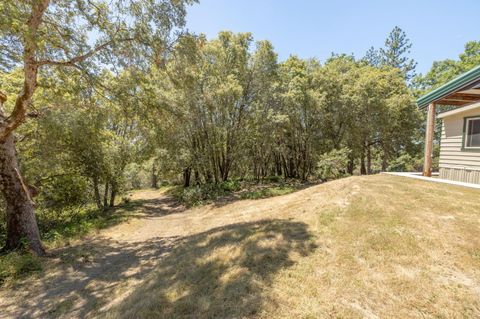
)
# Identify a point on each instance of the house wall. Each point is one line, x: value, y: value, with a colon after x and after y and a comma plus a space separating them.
x: 455, y: 164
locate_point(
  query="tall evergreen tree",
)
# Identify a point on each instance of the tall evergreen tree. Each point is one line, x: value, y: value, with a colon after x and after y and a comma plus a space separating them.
x: 372, y: 57
x: 396, y: 51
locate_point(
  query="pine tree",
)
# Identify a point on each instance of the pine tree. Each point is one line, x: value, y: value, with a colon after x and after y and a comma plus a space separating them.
x: 396, y: 51
x: 372, y: 57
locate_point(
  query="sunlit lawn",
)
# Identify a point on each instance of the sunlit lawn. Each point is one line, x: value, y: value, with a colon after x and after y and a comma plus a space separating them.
x: 376, y: 246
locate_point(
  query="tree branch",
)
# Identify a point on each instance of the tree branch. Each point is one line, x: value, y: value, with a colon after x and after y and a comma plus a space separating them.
x: 24, y: 99
x: 76, y: 59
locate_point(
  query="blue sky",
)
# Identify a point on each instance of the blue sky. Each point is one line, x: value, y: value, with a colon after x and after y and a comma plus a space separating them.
x: 308, y: 28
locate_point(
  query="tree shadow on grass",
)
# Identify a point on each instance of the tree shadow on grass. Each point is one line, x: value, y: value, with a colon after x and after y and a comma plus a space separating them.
x: 82, y: 278
x: 220, y: 273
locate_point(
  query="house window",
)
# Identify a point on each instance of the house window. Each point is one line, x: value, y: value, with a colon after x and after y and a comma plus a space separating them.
x: 472, y: 136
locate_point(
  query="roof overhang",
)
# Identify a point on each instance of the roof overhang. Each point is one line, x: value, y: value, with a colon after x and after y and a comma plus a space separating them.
x: 460, y: 110
x: 461, y: 91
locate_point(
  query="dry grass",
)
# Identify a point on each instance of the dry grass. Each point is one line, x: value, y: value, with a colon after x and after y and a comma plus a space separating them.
x: 362, y: 247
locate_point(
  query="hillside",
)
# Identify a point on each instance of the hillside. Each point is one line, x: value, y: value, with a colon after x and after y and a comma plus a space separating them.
x: 360, y: 247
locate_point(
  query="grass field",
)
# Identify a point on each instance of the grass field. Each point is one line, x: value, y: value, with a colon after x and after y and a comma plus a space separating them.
x: 361, y: 247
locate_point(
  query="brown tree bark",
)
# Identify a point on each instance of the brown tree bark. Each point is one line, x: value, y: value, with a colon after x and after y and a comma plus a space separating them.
x: 154, y: 176
x: 351, y: 164
x: 363, y: 169
x: 186, y: 177
x: 22, y: 225
x: 113, y: 194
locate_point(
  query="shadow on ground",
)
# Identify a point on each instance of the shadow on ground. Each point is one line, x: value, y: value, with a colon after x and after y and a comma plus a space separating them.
x: 82, y: 278
x: 219, y: 273
x: 156, y: 207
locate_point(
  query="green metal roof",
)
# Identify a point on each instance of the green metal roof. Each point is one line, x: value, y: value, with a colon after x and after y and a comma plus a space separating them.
x: 450, y: 87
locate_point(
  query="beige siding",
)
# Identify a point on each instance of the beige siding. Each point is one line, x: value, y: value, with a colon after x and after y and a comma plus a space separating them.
x: 455, y: 164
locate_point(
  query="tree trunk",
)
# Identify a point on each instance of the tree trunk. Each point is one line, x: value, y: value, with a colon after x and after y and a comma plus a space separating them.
x: 105, y: 196
x: 369, y: 160
x: 113, y: 194
x: 22, y: 226
x: 96, y: 191
x: 154, y: 177
x: 351, y: 165
x: 186, y: 177
x: 196, y: 177
x: 363, y: 169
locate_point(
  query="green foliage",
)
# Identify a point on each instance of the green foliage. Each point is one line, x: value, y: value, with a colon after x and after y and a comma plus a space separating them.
x: 333, y: 164
x: 66, y: 30
x: 201, y: 194
x: 397, y: 46
x: 268, y: 192
x: 18, y: 265
x: 64, y: 191
x: 406, y: 163
x: 443, y: 71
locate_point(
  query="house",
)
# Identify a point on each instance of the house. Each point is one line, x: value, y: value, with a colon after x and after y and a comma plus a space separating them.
x: 460, y: 139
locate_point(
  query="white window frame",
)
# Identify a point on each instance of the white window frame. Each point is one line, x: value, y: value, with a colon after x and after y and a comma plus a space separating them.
x: 467, y: 126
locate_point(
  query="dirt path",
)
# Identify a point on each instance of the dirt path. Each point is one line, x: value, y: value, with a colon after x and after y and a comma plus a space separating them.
x: 91, y: 276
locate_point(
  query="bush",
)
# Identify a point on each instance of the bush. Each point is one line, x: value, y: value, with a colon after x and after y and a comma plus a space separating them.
x: 192, y: 196
x: 229, y: 186
x: 405, y: 163
x: 274, y: 179
x: 332, y: 165
x: 64, y: 191
x: 199, y: 194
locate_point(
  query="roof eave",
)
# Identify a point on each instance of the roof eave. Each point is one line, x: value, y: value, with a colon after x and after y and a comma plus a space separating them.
x: 457, y: 84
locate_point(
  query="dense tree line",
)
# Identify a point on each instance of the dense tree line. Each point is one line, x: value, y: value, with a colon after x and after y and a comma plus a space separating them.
x: 240, y: 113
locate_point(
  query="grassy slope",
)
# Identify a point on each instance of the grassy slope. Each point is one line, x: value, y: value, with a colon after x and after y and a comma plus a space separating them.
x: 360, y: 247
x: 377, y: 246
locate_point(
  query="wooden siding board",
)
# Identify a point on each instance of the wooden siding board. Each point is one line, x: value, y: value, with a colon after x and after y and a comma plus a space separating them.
x: 454, y: 162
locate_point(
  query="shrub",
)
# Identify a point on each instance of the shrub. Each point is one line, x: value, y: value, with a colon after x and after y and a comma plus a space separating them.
x: 192, y: 196
x: 333, y: 164
x: 64, y: 191
x: 199, y: 194
x: 405, y: 163
x: 274, y: 179
x: 229, y: 186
